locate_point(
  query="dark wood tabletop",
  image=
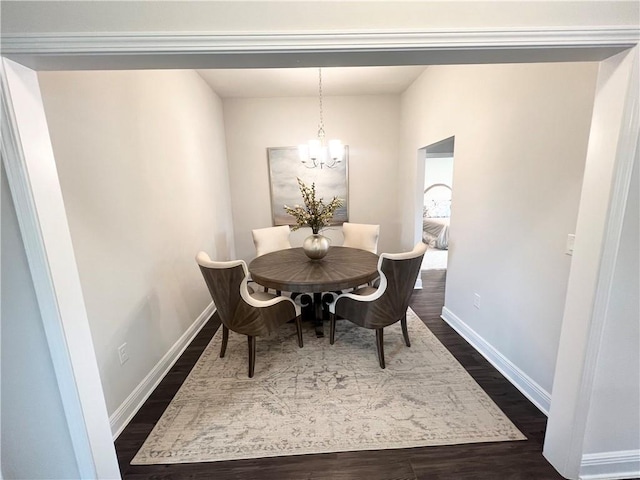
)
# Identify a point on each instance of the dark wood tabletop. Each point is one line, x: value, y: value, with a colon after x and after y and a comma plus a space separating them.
x: 291, y: 270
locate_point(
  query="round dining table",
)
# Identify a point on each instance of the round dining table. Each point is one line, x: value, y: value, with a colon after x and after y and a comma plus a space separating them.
x: 290, y: 270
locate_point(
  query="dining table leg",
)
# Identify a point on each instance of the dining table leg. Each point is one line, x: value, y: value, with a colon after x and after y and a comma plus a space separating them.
x: 313, y: 311
x: 317, y: 308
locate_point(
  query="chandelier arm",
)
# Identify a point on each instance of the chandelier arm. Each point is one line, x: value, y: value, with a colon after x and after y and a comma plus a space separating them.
x: 313, y: 163
x: 333, y: 163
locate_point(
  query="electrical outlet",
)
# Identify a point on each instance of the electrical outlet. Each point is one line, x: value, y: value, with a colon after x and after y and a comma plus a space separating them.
x: 476, y: 300
x: 122, y: 353
x: 571, y: 238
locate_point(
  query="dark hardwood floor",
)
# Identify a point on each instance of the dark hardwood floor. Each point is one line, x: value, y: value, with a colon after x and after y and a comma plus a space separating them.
x: 499, y: 460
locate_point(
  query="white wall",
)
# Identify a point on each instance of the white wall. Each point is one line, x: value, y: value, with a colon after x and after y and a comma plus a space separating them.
x: 520, y: 142
x: 143, y: 171
x: 35, y: 437
x: 617, y: 379
x: 438, y: 170
x: 369, y: 125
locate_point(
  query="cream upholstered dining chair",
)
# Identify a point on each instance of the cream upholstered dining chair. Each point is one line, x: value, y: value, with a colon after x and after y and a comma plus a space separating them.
x: 253, y: 314
x: 271, y: 239
x: 379, y: 307
x: 361, y: 235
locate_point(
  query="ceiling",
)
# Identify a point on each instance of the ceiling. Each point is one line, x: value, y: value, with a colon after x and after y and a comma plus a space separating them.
x: 302, y: 82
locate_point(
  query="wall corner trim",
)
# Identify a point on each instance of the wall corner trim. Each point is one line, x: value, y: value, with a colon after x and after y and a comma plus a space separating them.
x: 527, y: 386
x: 125, y: 412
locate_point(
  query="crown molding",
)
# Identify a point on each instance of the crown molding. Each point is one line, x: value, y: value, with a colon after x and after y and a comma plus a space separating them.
x: 188, y: 42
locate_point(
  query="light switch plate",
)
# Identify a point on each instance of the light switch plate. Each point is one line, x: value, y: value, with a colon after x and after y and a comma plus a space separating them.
x: 571, y: 238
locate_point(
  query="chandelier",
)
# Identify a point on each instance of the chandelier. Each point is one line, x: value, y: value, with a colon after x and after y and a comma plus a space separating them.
x: 320, y: 152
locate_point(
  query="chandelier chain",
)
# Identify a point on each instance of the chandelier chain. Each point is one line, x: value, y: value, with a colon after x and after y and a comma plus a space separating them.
x: 318, y: 152
x: 321, y: 125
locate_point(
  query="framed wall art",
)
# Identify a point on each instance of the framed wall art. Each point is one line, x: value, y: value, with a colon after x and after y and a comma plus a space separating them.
x: 285, y: 167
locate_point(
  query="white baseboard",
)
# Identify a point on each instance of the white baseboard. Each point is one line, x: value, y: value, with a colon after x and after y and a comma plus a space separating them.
x: 529, y: 388
x: 125, y: 412
x: 610, y: 465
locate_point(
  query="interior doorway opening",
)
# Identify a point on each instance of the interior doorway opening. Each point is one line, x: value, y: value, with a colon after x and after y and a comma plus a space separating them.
x: 437, y: 193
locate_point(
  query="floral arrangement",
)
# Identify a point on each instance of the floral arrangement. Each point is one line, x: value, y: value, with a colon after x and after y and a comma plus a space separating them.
x: 315, y: 213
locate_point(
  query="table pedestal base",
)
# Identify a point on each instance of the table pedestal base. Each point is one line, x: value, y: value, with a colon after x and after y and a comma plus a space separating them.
x: 317, y: 309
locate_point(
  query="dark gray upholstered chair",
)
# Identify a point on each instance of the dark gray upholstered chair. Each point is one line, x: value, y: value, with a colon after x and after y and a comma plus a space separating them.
x: 241, y: 310
x: 379, y: 307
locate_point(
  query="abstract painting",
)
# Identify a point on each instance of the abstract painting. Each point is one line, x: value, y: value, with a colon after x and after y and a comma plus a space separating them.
x: 285, y: 168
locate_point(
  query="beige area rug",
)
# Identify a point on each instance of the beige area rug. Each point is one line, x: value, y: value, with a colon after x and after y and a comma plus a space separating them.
x: 324, y: 398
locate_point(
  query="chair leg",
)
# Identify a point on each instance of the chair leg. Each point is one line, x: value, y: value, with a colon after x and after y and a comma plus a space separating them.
x: 332, y: 328
x: 252, y: 354
x: 299, y: 330
x: 380, y: 345
x: 405, y: 332
x: 225, y: 339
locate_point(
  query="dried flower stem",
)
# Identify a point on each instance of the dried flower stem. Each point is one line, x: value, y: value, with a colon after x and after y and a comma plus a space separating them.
x: 315, y: 213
